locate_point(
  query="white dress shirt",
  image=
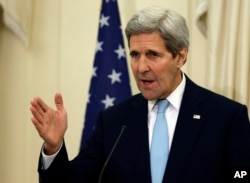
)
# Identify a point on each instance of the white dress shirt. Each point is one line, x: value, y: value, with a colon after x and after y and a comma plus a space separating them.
x: 172, y: 112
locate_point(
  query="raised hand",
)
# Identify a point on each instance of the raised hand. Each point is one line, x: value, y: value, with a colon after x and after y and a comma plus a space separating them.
x: 51, y: 124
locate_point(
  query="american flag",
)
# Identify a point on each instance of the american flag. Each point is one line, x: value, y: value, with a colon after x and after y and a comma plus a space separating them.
x: 110, y: 80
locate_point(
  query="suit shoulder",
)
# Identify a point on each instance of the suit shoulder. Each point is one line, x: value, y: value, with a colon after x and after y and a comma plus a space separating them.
x: 203, y: 94
x: 219, y: 100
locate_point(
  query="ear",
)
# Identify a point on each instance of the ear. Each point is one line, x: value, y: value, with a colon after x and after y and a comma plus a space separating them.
x: 182, y: 57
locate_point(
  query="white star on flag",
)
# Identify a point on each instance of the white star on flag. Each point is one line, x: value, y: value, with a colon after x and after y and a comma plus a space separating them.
x: 99, y: 46
x: 115, y: 76
x: 104, y: 20
x: 94, y: 72
x: 108, y: 102
x: 89, y: 95
x: 120, y: 51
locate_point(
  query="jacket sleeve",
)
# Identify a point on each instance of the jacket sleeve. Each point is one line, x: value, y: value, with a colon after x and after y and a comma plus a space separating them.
x: 59, y: 170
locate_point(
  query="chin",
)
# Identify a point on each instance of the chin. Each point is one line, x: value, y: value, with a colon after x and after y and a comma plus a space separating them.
x: 149, y: 97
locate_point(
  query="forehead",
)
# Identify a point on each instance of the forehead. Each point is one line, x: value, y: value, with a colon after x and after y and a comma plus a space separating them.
x: 146, y: 40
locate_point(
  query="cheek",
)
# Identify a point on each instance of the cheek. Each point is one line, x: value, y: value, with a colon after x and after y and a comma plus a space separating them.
x: 161, y: 70
x: 164, y: 75
x: 163, y: 80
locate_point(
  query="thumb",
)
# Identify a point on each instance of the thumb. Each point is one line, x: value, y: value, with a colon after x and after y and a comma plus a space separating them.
x: 59, y: 101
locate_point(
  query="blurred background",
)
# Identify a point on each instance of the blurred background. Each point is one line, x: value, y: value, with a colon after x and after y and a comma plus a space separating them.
x: 48, y: 46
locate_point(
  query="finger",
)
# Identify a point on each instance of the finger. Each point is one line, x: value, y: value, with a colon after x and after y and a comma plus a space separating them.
x: 38, y: 126
x: 36, y: 115
x: 36, y: 123
x: 36, y: 109
x: 59, y: 101
x: 42, y: 104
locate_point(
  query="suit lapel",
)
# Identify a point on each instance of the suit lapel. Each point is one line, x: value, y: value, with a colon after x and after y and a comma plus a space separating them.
x: 137, y: 136
x: 189, y: 123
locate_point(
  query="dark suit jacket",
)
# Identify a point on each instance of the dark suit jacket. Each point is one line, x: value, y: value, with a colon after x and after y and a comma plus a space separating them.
x: 205, y: 150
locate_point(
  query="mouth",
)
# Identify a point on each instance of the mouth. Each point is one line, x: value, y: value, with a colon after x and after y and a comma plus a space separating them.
x: 146, y: 83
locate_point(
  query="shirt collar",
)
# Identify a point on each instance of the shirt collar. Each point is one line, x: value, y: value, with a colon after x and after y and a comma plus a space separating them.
x: 174, y: 98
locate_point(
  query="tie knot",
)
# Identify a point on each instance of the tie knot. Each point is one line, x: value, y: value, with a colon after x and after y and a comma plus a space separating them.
x: 162, y: 105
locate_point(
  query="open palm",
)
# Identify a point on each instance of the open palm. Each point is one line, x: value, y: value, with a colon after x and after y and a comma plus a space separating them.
x: 51, y: 124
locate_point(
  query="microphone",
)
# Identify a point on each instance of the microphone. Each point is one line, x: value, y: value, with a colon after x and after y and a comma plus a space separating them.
x: 111, y: 152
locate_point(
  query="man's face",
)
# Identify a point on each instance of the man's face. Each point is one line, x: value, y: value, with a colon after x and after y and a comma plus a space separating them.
x: 155, y: 70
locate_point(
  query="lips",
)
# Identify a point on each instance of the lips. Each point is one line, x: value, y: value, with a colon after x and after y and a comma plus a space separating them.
x: 146, y: 83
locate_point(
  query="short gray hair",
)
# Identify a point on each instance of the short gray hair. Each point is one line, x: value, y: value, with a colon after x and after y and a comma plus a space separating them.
x: 171, y: 26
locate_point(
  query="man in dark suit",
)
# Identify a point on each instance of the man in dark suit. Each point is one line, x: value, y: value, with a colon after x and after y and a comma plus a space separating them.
x: 208, y: 134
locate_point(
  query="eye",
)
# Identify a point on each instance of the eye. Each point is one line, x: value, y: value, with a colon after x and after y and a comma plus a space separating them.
x: 134, y: 54
x: 152, y: 54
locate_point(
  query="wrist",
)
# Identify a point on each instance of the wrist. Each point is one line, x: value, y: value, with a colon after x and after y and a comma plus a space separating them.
x: 50, y: 150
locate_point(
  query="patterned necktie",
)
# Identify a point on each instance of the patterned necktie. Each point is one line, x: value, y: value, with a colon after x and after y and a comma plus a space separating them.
x: 159, y: 146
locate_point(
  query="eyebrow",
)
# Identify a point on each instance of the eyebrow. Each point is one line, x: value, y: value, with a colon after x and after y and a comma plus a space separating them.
x: 151, y: 51
x: 154, y: 51
x: 133, y: 51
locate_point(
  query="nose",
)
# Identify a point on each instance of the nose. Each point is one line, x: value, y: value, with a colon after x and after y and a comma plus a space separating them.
x: 143, y: 65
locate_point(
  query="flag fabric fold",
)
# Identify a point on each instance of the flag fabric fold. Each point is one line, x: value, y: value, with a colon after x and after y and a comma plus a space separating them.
x: 110, y: 79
